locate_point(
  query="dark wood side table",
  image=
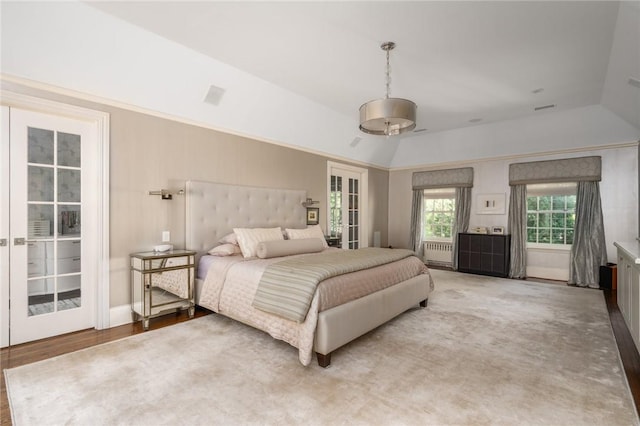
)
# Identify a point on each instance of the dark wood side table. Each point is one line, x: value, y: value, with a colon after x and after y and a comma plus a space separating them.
x: 485, y: 254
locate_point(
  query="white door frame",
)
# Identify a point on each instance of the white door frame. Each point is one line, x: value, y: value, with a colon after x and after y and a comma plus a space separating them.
x: 4, y: 228
x: 100, y: 121
x: 364, y: 197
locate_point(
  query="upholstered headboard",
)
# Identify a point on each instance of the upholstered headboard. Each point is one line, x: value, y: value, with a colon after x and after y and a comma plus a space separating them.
x: 214, y: 209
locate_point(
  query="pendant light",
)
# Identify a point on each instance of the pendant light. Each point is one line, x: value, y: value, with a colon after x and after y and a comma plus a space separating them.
x: 388, y: 116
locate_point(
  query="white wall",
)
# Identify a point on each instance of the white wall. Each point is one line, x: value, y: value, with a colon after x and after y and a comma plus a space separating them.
x: 619, y: 193
x: 74, y: 46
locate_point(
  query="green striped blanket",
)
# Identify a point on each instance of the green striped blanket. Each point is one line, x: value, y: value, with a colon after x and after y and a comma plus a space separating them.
x: 287, y: 287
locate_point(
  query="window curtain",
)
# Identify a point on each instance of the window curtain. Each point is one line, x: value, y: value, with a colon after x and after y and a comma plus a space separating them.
x: 461, y: 224
x: 588, y: 251
x: 518, y: 227
x: 415, y: 241
x: 461, y: 178
x: 556, y: 171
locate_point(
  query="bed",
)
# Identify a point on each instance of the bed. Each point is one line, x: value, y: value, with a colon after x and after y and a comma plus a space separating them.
x: 231, y: 283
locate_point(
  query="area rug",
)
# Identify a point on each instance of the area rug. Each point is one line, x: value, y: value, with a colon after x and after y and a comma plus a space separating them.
x: 484, y: 351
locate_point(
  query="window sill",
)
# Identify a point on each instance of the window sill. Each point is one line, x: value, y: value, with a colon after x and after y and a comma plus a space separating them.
x: 548, y: 247
x: 438, y: 240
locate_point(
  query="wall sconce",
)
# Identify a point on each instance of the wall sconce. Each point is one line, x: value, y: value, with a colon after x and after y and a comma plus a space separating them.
x: 309, y: 202
x: 166, y: 194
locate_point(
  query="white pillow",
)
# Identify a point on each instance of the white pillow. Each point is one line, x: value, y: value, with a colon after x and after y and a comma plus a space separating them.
x: 313, y: 231
x: 248, y: 238
x: 225, y: 250
x: 269, y: 249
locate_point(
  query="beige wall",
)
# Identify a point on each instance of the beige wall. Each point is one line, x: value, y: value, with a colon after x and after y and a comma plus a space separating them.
x: 148, y: 153
x: 618, y: 188
x: 151, y: 153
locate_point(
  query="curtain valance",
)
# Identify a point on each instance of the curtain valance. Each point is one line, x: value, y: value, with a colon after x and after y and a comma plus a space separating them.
x: 449, y: 178
x: 565, y: 170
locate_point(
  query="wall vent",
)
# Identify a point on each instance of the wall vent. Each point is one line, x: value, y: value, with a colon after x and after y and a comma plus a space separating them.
x: 214, y: 95
x: 355, y: 142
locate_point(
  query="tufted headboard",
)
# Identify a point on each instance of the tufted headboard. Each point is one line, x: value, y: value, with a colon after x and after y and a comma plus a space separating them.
x: 214, y: 209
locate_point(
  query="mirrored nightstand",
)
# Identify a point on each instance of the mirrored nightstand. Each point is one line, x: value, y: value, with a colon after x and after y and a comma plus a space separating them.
x: 162, y: 282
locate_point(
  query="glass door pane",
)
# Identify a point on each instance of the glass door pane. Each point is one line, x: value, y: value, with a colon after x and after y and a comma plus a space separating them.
x: 335, y: 207
x: 353, y: 213
x: 53, y: 210
x: 344, y: 209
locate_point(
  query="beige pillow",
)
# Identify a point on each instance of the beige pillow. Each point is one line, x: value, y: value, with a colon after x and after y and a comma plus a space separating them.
x: 268, y: 249
x: 229, y: 239
x: 313, y: 231
x: 248, y: 238
x: 225, y: 250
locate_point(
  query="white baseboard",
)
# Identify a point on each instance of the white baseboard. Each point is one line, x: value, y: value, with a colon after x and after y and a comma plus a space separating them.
x: 559, y: 274
x: 120, y: 315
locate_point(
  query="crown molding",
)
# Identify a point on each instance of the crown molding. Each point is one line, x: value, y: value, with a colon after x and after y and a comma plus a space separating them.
x: 57, y: 90
x: 451, y: 164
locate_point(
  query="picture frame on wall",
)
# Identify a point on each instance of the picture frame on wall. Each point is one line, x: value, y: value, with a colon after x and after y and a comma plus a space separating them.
x: 491, y: 203
x: 313, y: 215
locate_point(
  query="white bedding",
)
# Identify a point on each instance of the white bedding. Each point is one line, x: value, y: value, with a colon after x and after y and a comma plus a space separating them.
x: 235, y: 206
x: 229, y: 290
x: 204, y: 264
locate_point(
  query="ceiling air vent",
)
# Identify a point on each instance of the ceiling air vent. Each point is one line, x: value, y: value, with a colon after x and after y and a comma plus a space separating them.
x: 214, y: 95
x: 544, y: 107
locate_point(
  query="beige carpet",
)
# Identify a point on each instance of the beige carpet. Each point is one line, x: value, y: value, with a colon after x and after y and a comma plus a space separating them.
x: 484, y: 351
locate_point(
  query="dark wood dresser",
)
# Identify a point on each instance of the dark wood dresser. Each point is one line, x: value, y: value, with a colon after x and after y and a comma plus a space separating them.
x: 486, y: 254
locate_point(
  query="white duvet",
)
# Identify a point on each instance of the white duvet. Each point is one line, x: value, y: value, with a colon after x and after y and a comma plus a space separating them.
x: 228, y: 289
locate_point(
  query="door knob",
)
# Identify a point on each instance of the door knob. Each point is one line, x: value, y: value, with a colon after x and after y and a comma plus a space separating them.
x: 3, y: 242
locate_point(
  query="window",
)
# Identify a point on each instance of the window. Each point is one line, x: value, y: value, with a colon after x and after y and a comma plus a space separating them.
x: 439, y: 214
x: 551, y: 213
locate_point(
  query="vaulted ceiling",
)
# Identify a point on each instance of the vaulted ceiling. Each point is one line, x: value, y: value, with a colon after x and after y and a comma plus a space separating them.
x: 467, y: 65
x: 459, y: 61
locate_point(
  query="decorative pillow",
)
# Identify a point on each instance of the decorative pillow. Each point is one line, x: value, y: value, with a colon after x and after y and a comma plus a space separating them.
x: 248, y: 238
x: 313, y: 231
x: 225, y: 250
x: 229, y: 239
x: 268, y: 249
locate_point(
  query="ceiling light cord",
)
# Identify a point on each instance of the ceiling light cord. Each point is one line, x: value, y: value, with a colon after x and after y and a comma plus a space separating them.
x: 388, y: 91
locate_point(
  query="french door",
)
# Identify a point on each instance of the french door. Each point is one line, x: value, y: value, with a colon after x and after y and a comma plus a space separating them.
x: 53, y: 223
x: 347, y: 205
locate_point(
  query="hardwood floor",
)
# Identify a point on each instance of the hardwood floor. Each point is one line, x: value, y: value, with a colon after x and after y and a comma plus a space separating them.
x: 47, y: 348
x: 626, y: 346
